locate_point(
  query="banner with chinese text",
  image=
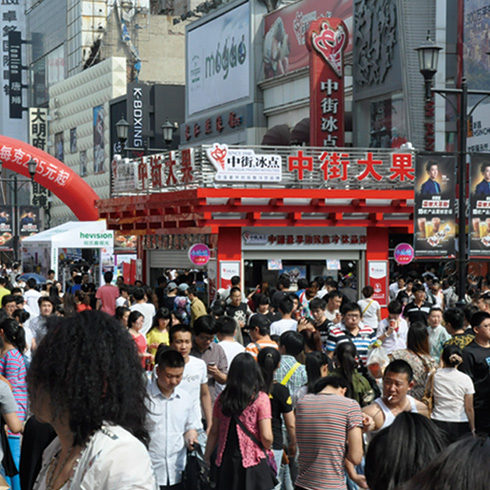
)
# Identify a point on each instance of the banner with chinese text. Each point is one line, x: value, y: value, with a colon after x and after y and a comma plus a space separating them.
x: 326, y: 42
x: 480, y: 204
x: 435, y: 184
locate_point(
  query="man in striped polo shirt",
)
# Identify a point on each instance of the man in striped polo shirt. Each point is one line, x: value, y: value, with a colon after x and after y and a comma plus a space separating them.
x: 352, y: 328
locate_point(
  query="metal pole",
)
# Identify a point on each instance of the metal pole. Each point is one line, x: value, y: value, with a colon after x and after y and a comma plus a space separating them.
x: 463, y: 122
x: 16, y: 221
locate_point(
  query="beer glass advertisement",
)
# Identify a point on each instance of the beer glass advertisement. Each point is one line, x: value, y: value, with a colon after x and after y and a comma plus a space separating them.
x: 6, y: 228
x: 29, y: 222
x: 480, y: 204
x: 435, y: 216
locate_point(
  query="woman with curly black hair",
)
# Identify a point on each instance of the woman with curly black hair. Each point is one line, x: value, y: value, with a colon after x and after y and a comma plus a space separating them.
x: 86, y: 381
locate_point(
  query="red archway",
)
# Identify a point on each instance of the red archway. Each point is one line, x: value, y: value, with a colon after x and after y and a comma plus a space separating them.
x: 51, y: 174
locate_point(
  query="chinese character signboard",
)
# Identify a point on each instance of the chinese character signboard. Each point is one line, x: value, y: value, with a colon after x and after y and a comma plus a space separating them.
x: 326, y: 41
x: 38, y: 127
x: 29, y: 221
x: 244, y: 165
x: 15, y: 74
x: 6, y: 228
x: 435, y: 206
x: 480, y: 204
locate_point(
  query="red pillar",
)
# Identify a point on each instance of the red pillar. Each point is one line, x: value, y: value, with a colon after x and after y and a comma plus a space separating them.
x: 377, y: 250
x: 229, y: 254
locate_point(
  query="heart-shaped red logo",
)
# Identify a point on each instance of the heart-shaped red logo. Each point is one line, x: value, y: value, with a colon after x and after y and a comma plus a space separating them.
x: 330, y: 43
x: 218, y: 154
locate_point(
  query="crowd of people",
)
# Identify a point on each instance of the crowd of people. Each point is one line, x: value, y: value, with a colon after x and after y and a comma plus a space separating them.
x: 292, y: 387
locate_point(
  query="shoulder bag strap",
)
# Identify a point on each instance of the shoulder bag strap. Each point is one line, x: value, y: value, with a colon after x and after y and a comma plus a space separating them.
x: 251, y: 436
x: 368, y: 305
x: 293, y: 369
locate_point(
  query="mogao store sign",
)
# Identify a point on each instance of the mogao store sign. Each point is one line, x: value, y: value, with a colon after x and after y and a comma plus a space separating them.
x: 218, y: 60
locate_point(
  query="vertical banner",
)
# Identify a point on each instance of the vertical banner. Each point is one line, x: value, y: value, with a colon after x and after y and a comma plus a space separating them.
x: 38, y: 127
x: 15, y: 73
x: 29, y: 221
x: 480, y: 204
x: 59, y: 146
x: 138, y: 110
x: 6, y: 228
x: 378, y: 279
x: 435, y: 205
x: 99, y: 139
x: 228, y: 269
x: 326, y: 41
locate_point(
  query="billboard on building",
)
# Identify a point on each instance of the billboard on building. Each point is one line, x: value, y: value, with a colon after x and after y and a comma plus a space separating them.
x: 477, y: 69
x: 285, y: 31
x: 435, y: 184
x: 13, y: 100
x: 218, y: 60
x: 99, y: 139
x: 480, y: 204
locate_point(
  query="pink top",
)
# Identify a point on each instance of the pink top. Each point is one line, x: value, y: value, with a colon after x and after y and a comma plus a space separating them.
x: 108, y: 295
x: 260, y: 409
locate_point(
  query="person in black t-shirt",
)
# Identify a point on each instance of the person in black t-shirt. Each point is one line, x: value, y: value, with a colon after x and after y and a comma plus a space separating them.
x: 417, y: 310
x: 240, y: 312
x: 476, y: 363
x: 281, y: 404
x: 321, y: 322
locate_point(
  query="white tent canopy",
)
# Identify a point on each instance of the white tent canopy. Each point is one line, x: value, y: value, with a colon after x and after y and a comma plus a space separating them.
x: 73, y: 234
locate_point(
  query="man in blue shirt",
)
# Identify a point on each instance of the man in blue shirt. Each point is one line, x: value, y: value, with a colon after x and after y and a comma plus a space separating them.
x: 482, y: 190
x: 431, y: 186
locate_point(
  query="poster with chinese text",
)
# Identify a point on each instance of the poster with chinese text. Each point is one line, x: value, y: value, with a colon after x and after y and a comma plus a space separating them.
x: 435, y: 218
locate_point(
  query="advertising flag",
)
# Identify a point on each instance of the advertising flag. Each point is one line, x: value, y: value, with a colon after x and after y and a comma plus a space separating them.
x: 480, y: 204
x: 435, y: 224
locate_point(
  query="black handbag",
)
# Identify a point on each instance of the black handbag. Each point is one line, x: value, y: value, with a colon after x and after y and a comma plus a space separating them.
x: 271, y: 465
x: 196, y: 473
x: 8, y: 462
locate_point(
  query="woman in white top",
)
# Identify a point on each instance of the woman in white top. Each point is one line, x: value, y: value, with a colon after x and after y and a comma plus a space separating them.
x: 370, y: 308
x: 453, y: 396
x: 87, y: 382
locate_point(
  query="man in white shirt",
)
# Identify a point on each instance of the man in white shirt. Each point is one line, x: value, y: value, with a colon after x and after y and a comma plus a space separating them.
x: 31, y: 297
x: 226, y: 328
x: 123, y: 299
x: 286, y: 322
x: 393, y: 331
x: 334, y: 300
x: 145, y: 308
x: 171, y: 420
x: 195, y: 378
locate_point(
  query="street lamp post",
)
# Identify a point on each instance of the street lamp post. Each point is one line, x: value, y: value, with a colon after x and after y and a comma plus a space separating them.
x: 15, y: 184
x: 428, y: 60
x: 122, y: 132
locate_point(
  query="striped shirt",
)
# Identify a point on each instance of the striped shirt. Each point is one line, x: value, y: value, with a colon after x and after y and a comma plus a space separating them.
x: 13, y: 367
x: 298, y: 378
x: 364, y: 338
x: 322, y: 422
